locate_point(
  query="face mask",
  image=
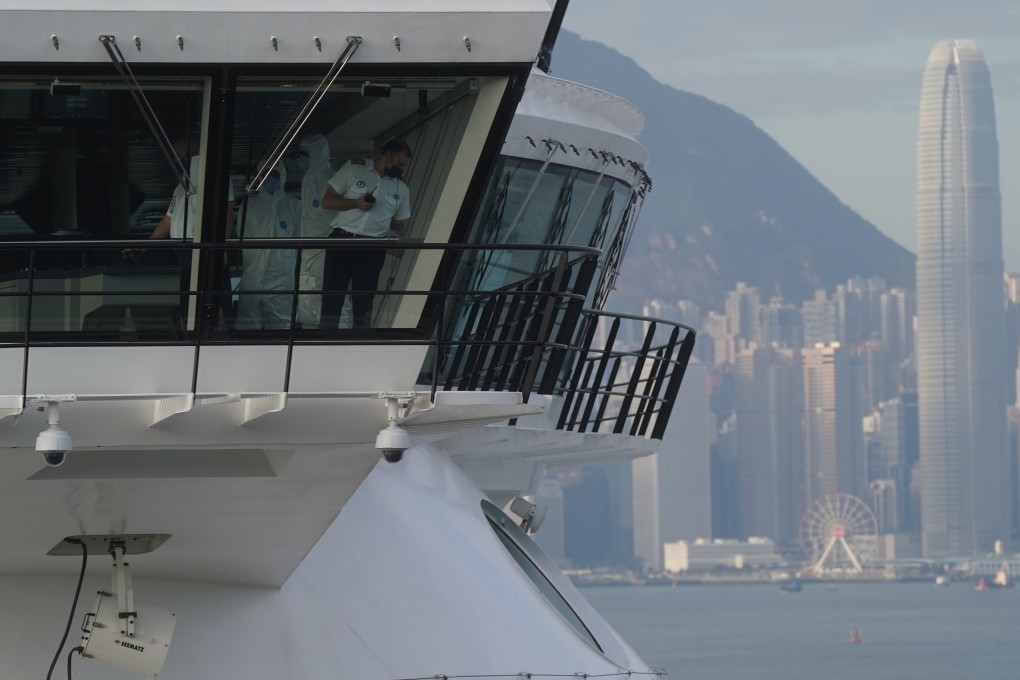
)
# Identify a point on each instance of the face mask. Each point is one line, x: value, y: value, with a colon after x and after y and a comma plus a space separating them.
x: 393, y: 172
x: 303, y: 162
x: 270, y: 185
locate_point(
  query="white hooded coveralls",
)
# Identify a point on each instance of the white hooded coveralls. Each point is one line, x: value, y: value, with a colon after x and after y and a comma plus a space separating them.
x: 315, y: 223
x: 268, y: 215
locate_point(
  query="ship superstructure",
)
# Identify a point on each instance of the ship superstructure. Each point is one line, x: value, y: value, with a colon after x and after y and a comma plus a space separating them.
x: 308, y: 503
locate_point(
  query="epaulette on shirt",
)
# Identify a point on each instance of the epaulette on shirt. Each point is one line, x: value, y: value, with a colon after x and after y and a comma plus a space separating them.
x: 357, y: 161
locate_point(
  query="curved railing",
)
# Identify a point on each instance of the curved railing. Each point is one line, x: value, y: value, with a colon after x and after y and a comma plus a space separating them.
x: 531, y: 335
x: 625, y: 375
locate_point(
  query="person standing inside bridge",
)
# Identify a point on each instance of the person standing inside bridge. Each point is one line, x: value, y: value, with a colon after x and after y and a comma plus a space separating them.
x: 372, y: 202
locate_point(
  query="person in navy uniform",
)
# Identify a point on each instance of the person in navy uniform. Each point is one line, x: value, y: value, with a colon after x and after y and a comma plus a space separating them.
x: 372, y: 201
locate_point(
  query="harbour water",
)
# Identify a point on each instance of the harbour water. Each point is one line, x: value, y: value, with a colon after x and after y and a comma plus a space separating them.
x: 907, y: 631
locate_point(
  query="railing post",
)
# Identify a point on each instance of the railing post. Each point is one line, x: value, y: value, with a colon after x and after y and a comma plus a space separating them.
x: 28, y: 325
x: 567, y: 327
x: 635, y: 378
x: 544, y: 329
x: 675, y: 380
x: 601, y: 372
x: 665, y: 362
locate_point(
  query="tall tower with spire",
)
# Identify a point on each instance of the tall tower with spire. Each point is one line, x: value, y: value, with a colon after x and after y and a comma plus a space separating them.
x: 961, y: 362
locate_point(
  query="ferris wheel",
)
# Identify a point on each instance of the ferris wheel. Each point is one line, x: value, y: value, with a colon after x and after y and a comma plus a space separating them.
x: 838, y: 532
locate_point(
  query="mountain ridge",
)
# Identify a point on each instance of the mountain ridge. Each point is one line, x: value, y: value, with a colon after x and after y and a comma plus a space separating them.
x: 728, y: 203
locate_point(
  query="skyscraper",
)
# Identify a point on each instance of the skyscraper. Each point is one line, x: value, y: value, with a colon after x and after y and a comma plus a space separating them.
x: 960, y: 334
x: 672, y: 488
x: 834, y: 456
x: 769, y: 450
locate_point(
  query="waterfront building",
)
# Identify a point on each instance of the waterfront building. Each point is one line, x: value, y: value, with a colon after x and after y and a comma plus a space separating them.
x: 891, y: 436
x: 672, y: 488
x: 703, y: 554
x: 769, y: 468
x: 961, y: 364
x: 725, y: 492
x: 597, y: 520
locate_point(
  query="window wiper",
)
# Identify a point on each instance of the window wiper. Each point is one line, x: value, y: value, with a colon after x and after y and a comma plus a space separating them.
x: 165, y: 145
x: 353, y: 42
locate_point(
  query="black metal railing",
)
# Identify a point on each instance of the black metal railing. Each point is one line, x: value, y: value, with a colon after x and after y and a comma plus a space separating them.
x: 626, y: 382
x: 530, y: 335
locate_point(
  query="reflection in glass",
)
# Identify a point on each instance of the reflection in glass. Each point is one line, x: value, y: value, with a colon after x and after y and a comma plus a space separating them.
x: 83, y: 165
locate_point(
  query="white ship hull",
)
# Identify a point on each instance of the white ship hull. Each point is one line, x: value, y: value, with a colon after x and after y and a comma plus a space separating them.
x: 409, y: 581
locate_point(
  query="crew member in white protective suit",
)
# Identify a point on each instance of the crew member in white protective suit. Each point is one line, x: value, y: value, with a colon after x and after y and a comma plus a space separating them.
x: 270, y: 213
x: 313, y: 158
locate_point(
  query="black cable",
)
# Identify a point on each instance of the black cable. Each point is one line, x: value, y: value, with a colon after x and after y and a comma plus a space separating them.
x: 78, y: 649
x: 74, y: 605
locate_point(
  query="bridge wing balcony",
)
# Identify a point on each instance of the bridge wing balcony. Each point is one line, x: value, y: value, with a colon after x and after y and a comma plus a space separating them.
x: 75, y: 318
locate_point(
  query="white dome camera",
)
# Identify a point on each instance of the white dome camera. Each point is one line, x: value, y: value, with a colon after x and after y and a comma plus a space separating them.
x: 53, y: 443
x: 393, y: 441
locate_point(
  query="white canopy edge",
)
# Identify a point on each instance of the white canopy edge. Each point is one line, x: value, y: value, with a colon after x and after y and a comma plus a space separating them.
x: 500, y: 31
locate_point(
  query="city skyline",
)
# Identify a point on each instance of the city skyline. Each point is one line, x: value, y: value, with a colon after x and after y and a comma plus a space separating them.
x: 854, y: 345
x: 961, y: 337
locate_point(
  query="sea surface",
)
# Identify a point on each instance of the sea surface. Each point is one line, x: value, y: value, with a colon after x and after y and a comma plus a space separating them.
x: 758, y: 632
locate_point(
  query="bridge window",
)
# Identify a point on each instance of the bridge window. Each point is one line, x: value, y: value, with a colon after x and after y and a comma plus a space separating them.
x: 80, y: 163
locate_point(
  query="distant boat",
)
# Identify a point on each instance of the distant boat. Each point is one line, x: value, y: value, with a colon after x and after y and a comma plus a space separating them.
x: 1001, y: 580
x: 941, y: 581
x: 855, y: 636
x: 792, y: 586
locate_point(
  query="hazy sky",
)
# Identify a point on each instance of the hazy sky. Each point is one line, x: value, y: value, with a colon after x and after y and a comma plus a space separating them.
x: 837, y: 84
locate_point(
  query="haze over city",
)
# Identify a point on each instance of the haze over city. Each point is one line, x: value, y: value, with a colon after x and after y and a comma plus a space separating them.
x: 817, y: 385
x: 836, y: 84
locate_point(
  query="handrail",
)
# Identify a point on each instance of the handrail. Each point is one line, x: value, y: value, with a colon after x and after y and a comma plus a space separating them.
x: 653, y: 372
x: 533, y: 336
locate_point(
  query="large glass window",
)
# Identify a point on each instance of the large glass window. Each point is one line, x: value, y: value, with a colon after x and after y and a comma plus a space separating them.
x: 80, y: 163
x: 353, y: 120
x: 561, y: 206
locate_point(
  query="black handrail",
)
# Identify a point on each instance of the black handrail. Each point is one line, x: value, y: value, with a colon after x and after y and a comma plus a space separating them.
x: 640, y: 403
x: 532, y: 336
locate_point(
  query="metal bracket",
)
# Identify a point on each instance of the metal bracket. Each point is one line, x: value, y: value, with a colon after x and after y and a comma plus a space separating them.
x: 109, y: 42
x: 121, y: 583
x: 353, y: 43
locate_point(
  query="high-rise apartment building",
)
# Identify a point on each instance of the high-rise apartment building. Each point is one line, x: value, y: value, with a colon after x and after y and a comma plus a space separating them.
x: 960, y: 334
x: 821, y: 320
x: 834, y: 456
x: 769, y: 454
x: 742, y: 312
x: 896, y: 324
